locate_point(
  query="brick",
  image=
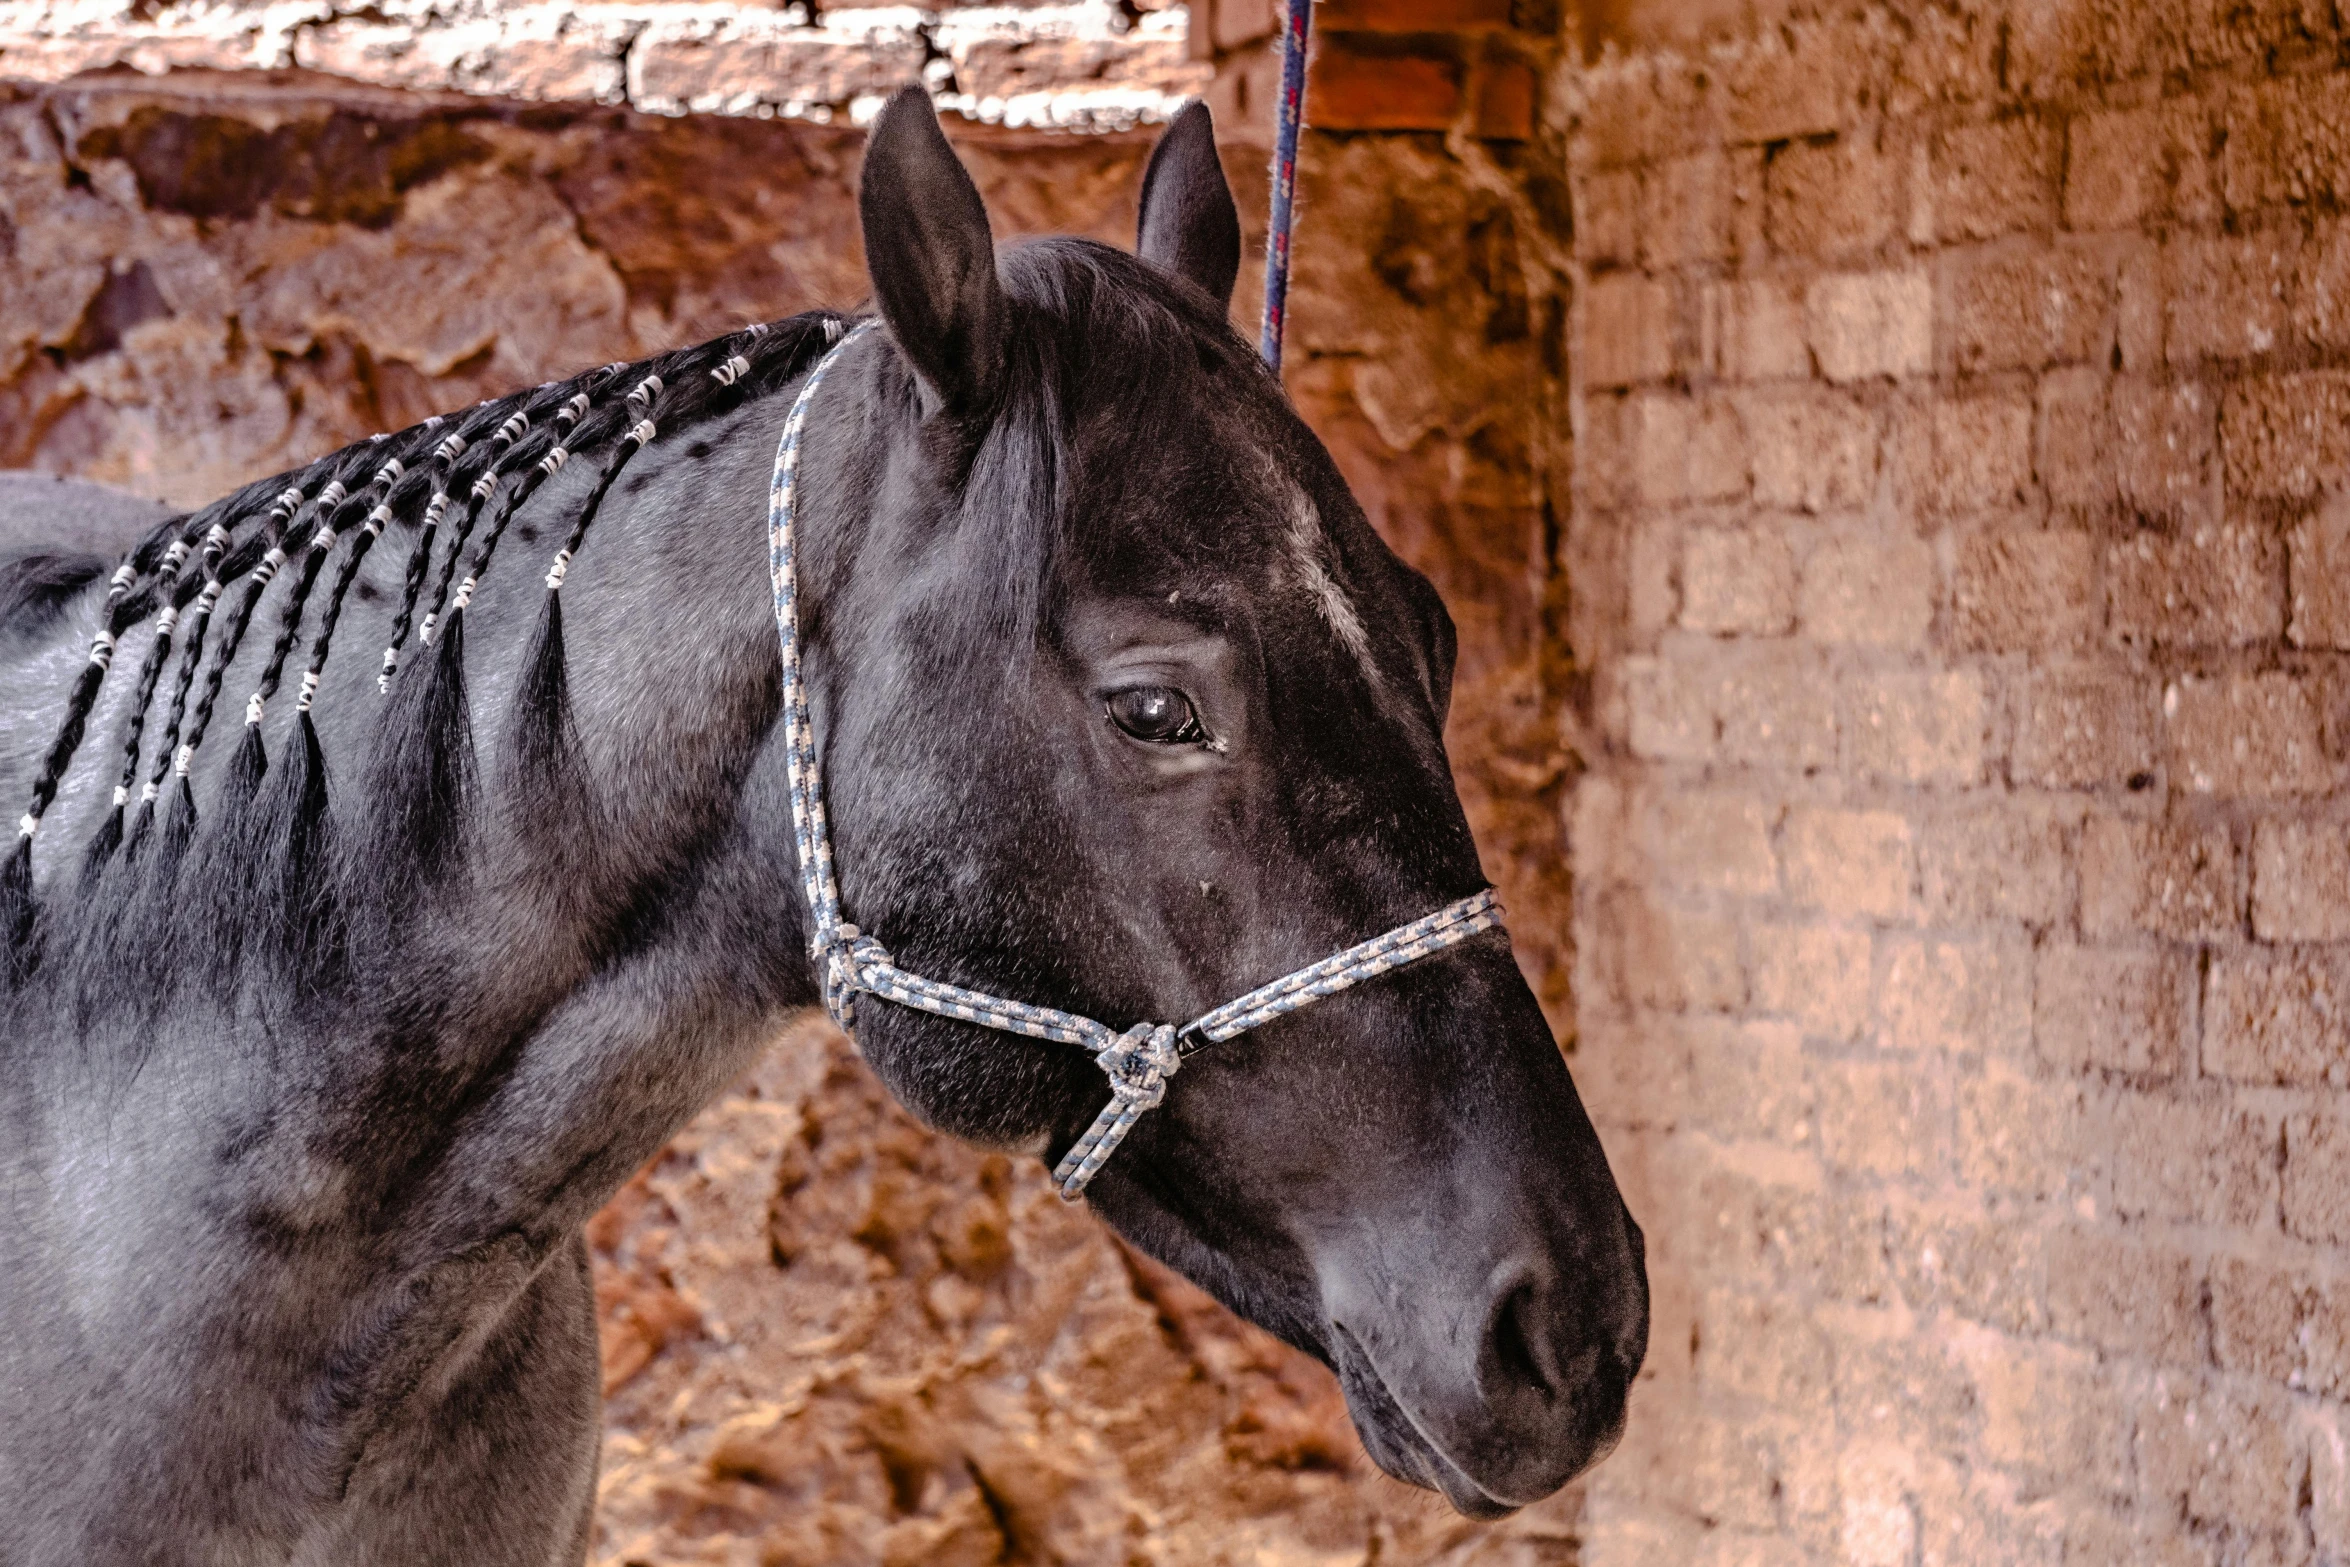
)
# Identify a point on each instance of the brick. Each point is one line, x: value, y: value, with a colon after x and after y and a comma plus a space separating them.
x: 2130, y: 165
x: 2318, y: 309
x: 1993, y: 179
x: 1817, y: 976
x: 732, y: 63
x: 1871, y: 587
x: 1686, y: 212
x: 1848, y: 862
x: 1871, y: 324
x: 1918, y: 728
x: 2016, y: 1133
x: 1409, y: 16
x: 2223, y: 297
x: 1996, y: 865
x: 2142, y: 1300
x: 1770, y: 92
x: 2204, y: 1160
x: 2100, y: 1010
x: 1360, y: 85
x: 2328, y: 1438
x: 2016, y: 591
x: 1979, y: 457
x: 1754, y: 331
x: 1832, y: 200
x: 1760, y: 1216
x: 1627, y: 330
x: 2076, y: 459
x: 2318, y: 565
x: 1776, y: 710
x: 2278, y: 1017
x: 2026, y: 312
x: 2317, y: 1177
x: 1765, y: 1350
x: 1763, y: 705
x: 2324, y: 1337
x: 2096, y: 1538
x: 2298, y: 872
x: 2247, y: 735
x: 1609, y: 217
x: 1639, y: 109
x: 1965, y: 998
x: 1950, y: 1258
x: 1709, y: 842
x: 2165, y: 448
x: 1811, y: 453
x: 2170, y: 878
x: 1631, y: 1073
x: 1686, y: 449
x: 1671, y: 960
x: 2046, y: 1412
x: 2203, y: 587
x: 2222, y: 32
x: 2227, y: 1455
x: 2055, y: 50
x: 1652, y: 595
x: 1884, y: 1119
x: 2087, y: 729
x: 2287, y: 435
x: 2288, y: 146
x: 1749, y: 1080
x: 1736, y: 582
x: 2256, y: 1316
x: 1504, y: 93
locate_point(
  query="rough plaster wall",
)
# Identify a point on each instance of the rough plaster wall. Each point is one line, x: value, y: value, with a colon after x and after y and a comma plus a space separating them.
x: 1960, y: 557
x: 830, y: 1338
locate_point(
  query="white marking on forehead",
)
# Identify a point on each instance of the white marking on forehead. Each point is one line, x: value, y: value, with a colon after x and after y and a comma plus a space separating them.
x: 1305, y: 559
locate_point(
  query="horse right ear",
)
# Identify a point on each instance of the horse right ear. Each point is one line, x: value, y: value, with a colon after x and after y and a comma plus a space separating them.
x: 1188, y: 224
x: 931, y: 256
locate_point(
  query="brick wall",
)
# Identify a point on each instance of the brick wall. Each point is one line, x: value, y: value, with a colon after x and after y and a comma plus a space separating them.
x: 1961, y: 551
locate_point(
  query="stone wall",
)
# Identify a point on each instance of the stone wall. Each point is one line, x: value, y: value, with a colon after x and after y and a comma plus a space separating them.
x: 1959, y: 548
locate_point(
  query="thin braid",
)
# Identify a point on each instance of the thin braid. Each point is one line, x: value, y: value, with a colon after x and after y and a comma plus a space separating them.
x: 510, y: 429
x: 281, y: 524
x: 18, y: 947
x: 177, y: 578
x: 517, y: 495
x: 445, y: 458
x: 322, y: 544
x: 483, y: 488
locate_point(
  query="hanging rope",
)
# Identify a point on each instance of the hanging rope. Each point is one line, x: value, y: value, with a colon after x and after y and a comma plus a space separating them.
x: 1293, y: 113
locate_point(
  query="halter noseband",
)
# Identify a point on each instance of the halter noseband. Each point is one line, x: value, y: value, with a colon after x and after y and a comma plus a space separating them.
x: 1138, y: 1061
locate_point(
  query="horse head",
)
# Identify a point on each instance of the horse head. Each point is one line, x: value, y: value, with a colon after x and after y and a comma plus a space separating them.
x: 1126, y: 708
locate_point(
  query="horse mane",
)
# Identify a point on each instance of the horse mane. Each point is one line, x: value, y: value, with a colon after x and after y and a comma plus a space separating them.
x: 35, y: 589
x: 450, y: 485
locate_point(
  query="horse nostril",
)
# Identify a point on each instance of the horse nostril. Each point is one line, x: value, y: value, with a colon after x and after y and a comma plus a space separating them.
x: 1513, y: 1339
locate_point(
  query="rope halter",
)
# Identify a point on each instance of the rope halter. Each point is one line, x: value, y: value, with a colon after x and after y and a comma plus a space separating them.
x: 1139, y: 1060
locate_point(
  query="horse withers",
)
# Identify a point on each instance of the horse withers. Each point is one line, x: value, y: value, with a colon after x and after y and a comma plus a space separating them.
x: 320, y: 1042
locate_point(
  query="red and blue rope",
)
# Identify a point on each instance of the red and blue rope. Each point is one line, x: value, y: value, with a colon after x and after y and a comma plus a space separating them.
x: 1293, y: 106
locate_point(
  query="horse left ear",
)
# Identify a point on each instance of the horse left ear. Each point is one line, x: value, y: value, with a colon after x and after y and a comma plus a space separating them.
x: 1189, y: 226
x: 931, y: 256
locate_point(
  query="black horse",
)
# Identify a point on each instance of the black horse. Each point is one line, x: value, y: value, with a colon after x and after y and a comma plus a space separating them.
x: 317, y: 1048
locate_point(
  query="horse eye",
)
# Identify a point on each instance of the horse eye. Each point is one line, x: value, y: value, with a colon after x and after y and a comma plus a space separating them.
x: 1159, y: 714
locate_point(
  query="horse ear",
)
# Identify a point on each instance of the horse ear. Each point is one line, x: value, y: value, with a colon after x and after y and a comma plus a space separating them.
x: 931, y: 256
x: 1189, y: 226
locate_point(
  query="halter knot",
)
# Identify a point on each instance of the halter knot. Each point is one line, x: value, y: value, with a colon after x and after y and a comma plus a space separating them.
x: 1140, y: 1063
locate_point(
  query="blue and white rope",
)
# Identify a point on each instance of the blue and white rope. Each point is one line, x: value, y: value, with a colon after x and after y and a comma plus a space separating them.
x: 1138, y: 1061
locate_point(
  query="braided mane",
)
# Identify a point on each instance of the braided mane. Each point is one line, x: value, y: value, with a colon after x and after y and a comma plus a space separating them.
x: 450, y: 487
